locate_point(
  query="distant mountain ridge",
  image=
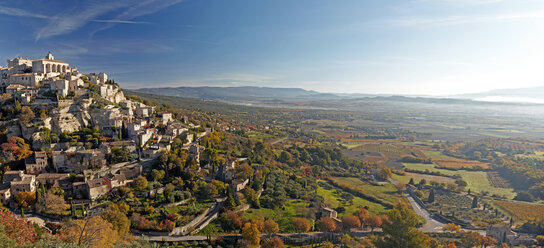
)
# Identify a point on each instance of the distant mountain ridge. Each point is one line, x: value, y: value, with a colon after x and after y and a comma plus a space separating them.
x: 240, y: 93
x: 271, y: 94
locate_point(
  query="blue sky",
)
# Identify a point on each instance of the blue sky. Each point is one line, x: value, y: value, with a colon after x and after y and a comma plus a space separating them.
x: 436, y: 47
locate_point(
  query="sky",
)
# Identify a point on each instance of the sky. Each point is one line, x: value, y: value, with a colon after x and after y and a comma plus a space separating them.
x: 421, y: 47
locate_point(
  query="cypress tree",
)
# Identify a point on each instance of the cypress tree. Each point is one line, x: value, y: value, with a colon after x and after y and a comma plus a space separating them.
x: 475, y: 202
x: 431, y: 196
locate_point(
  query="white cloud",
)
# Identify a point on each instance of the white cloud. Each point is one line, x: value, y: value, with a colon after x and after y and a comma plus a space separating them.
x: 20, y: 13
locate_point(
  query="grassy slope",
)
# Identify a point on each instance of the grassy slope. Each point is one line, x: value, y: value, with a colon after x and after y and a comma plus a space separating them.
x: 388, y: 192
x: 477, y: 180
x: 331, y: 199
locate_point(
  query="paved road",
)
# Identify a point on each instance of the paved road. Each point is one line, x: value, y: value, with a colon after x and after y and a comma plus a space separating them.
x: 432, y: 225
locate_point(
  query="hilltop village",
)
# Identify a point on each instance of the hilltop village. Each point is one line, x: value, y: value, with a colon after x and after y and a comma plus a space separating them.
x: 85, y: 137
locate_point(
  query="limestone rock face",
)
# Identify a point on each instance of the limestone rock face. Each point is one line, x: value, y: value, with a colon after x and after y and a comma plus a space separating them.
x: 69, y: 119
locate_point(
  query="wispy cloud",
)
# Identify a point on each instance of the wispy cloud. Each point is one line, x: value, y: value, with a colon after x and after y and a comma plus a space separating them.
x: 455, y: 20
x: 20, y: 13
x: 70, y: 20
x: 121, y: 21
x: 143, y: 8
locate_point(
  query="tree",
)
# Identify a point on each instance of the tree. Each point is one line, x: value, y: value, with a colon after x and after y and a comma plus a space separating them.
x: 400, y: 230
x: 91, y: 232
x: 26, y: 115
x: 452, y: 227
x: 251, y: 233
x: 19, y: 230
x: 274, y: 242
x: 119, y: 155
x: 25, y: 199
x: 326, y: 224
x: 230, y: 221
x: 475, y: 202
x: 411, y: 182
x: 362, y: 214
x: 119, y: 221
x: 471, y: 239
x: 301, y: 224
x: 431, y: 196
x: 5, y: 241
x: 244, y: 171
x: 140, y: 183
x: 51, y: 203
x: 540, y: 239
x: 351, y: 221
x: 270, y: 227
x: 374, y: 222
x: 384, y: 173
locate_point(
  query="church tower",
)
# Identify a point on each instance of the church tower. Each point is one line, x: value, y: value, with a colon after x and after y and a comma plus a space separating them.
x: 50, y: 56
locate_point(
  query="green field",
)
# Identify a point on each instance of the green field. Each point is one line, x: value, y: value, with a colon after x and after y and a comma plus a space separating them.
x: 477, y: 180
x: 350, y: 145
x: 434, y: 154
x: 387, y: 192
x: 284, y: 217
x: 417, y: 177
x: 333, y: 200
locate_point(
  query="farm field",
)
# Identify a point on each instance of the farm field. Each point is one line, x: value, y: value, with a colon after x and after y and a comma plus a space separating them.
x: 521, y: 211
x: 391, y: 150
x: 433, y: 154
x: 417, y: 177
x: 333, y: 200
x: 456, y: 163
x: 477, y: 180
x: 292, y: 209
x: 388, y: 193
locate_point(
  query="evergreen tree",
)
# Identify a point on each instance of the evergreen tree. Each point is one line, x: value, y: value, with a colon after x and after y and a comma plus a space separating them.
x: 475, y: 202
x: 431, y: 196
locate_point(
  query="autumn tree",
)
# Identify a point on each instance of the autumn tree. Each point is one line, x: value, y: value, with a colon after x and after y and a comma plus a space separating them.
x: 91, y: 232
x: 326, y: 224
x: 251, y: 233
x: 274, y: 242
x: 362, y: 214
x: 302, y: 225
x: 373, y: 221
x: 140, y: 183
x: 19, y: 230
x: 25, y: 199
x: 384, y: 173
x: 452, y: 227
x: 26, y: 115
x: 119, y: 221
x: 270, y: 227
x: 351, y: 221
x: 230, y: 221
x: 51, y: 203
x: 400, y: 229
